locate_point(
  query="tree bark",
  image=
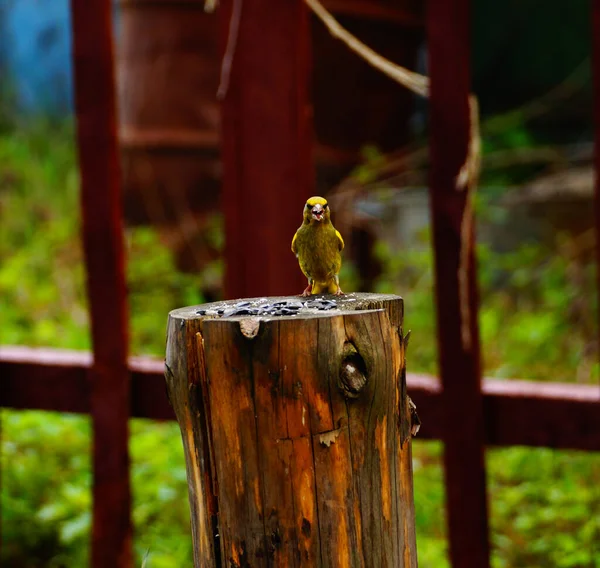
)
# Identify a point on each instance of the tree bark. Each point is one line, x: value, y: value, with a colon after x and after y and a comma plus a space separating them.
x: 296, y: 432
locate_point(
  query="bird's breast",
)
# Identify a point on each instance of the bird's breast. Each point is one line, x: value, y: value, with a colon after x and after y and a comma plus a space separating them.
x: 318, y: 252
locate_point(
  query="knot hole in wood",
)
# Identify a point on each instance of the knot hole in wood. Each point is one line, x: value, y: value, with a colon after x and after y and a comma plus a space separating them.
x: 353, y: 372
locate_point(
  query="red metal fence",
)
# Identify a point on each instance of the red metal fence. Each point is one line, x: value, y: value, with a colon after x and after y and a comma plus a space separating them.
x: 266, y: 153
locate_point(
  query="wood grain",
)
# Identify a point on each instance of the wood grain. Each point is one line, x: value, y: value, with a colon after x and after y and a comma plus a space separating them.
x: 301, y: 473
x: 184, y: 377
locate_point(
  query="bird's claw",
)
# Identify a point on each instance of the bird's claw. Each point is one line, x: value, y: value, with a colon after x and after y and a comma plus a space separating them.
x: 307, y: 291
x: 338, y: 292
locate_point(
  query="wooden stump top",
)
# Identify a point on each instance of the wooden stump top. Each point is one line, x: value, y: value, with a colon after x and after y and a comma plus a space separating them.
x: 266, y: 308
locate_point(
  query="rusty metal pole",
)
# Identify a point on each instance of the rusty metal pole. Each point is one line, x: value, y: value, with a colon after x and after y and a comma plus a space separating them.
x: 266, y: 147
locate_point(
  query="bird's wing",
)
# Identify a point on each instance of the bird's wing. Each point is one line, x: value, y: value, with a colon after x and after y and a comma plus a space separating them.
x: 340, y: 240
x: 294, y: 243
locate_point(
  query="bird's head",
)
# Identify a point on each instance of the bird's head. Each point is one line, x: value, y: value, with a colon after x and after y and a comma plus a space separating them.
x: 316, y: 210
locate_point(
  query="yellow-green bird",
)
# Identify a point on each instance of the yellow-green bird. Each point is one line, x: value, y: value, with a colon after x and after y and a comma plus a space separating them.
x: 318, y: 247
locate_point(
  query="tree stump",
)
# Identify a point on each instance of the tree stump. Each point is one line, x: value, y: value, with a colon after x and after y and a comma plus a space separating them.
x: 296, y: 428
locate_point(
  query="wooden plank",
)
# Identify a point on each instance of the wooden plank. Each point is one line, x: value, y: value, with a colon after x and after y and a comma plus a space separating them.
x: 449, y: 70
x: 59, y: 380
x: 526, y: 413
x: 148, y: 391
x: 55, y: 380
x: 97, y: 142
x: 266, y: 150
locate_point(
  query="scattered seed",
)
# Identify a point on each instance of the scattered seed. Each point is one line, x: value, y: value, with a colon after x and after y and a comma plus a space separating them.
x: 262, y: 308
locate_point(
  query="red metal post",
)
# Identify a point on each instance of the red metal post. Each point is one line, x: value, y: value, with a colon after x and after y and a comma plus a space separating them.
x: 266, y: 149
x: 103, y: 247
x: 449, y: 70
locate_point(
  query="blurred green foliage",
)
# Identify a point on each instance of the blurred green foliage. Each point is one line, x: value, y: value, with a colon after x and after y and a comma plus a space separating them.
x: 544, y: 503
x: 41, y: 275
x: 46, y: 498
x: 530, y: 323
x: 42, y: 294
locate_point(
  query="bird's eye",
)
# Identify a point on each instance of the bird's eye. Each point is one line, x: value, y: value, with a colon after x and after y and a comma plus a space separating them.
x: 308, y: 206
x: 325, y: 206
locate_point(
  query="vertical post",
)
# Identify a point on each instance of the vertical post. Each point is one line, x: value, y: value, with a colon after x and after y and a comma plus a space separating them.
x: 103, y: 248
x: 449, y: 63
x: 596, y: 78
x: 296, y: 433
x: 267, y: 163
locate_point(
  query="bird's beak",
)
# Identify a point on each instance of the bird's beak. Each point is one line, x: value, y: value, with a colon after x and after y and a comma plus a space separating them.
x: 317, y: 212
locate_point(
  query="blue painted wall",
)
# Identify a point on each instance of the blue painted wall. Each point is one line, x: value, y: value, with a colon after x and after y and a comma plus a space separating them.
x: 35, y: 55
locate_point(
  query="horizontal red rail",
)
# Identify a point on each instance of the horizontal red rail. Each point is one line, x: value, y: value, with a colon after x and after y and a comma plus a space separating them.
x: 58, y: 380
x: 516, y: 412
